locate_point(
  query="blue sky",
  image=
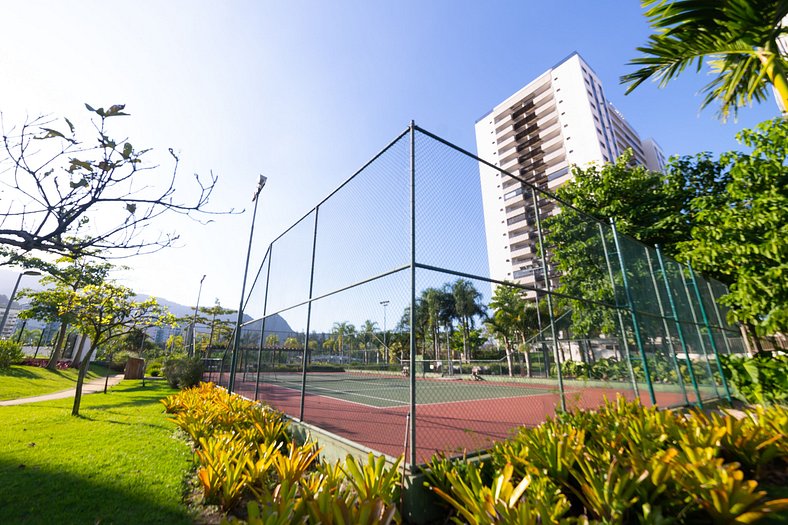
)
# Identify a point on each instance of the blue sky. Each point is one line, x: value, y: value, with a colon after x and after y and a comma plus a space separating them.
x: 306, y: 91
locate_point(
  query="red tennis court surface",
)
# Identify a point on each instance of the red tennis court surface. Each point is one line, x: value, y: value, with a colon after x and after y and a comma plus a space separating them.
x: 453, y: 428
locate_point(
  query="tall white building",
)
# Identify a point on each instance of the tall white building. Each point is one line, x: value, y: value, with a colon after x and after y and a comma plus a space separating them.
x: 560, y: 119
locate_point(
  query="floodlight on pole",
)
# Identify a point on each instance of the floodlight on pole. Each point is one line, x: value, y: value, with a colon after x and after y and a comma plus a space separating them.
x: 385, y: 346
x: 194, y: 320
x: 13, y: 294
x: 237, y: 340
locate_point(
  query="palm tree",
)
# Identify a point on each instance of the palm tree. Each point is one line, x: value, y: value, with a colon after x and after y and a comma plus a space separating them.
x: 467, y: 305
x: 739, y: 37
x: 340, y: 331
x: 500, y: 326
x: 368, y: 334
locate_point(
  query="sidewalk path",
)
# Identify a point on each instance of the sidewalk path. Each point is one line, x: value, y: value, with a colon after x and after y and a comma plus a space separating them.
x: 89, y: 387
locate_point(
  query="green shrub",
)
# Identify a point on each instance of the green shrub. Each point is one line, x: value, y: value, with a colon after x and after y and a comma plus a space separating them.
x: 761, y: 379
x: 154, y: 367
x: 183, y: 371
x: 10, y: 353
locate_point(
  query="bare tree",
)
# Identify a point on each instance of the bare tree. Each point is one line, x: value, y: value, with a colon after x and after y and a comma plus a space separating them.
x: 62, y: 196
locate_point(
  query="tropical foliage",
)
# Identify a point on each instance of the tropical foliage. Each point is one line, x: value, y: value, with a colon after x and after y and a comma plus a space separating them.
x: 246, y: 455
x: 624, y: 464
x: 738, y: 38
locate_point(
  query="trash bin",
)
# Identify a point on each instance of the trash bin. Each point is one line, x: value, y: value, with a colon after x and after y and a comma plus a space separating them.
x: 135, y: 368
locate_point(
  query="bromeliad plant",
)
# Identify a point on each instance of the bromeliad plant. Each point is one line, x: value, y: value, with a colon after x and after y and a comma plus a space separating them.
x: 625, y: 464
x: 245, y: 453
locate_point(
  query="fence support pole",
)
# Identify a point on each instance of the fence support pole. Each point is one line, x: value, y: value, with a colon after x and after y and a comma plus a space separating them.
x: 548, y: 287
x: 239, y: 320
x: 719, y: 318
x: 633, y: 313
x: 698, y: 331
x: 308, y: 319
x: 710, y: 333
x: 679, y: 329
x: 662, y: 314
x: 262, y: 323
x: 620, y: 316
x: 412, y: 375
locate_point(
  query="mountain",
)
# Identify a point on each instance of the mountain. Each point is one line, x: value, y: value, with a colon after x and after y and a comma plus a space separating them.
x: 273, y: 325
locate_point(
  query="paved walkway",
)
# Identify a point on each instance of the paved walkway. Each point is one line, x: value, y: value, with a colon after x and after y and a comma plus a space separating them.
x: 89, y: 387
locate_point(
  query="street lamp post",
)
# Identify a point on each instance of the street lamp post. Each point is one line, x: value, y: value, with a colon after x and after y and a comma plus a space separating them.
x: 237, y: 342
x: 385, y: 346
x: 194, y: 320
x: 13, y: 294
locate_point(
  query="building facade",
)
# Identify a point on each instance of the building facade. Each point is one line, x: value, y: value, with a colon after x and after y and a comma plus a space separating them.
x: 560, y: 119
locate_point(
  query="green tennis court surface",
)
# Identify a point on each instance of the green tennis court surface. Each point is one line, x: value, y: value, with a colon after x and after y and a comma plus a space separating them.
x: 385, y: 391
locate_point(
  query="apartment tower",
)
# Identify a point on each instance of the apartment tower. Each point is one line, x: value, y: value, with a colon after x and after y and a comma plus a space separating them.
x: 560, y: 119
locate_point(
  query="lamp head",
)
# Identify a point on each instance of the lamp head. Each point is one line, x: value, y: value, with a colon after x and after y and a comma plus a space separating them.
x: 260, y: 185
x: 31, y: 272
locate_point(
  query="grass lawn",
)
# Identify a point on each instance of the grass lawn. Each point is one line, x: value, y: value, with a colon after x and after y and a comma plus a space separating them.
x: 28, y: 381
x: 119, y: 462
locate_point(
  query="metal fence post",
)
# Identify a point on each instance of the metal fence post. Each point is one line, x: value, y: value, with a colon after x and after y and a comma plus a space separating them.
x: 548, y: 286
x: 262, y: 323
x: 633, y: 313
x: 620, y: 316
x: 239, y: 320
x: 711, y: 333
x: 719, y: 318
x: 679, y: 329
x: 700, y: 334
x: 672, y: 350
x: 412, y: 375
x: 308, y: 319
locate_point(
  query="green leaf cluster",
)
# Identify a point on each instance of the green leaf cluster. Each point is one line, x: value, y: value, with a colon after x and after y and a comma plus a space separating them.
x: 762, y: 378
x: 741, y: 235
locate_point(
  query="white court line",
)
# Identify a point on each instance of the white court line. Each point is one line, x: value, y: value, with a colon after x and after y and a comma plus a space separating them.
x: 399, y: 403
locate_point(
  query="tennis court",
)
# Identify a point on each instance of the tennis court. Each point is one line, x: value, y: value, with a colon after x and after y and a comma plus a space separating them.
x: 387, y: 391
x: 453, y: 415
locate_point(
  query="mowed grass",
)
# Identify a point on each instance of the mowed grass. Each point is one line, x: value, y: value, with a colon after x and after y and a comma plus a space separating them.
x: 119, y: 462
x: 29, y: 381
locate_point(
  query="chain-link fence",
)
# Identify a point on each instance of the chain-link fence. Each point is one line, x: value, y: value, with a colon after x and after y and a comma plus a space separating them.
x: 376, y: 317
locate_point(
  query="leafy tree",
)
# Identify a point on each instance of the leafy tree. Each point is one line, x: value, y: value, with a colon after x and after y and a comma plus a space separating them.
x: 741, y: 236
x: 76, y: 198
x: 222, y: 327
x: 272, y: 341
x: 67, y: 277
x: 726, y: 216
x: 738, y: 37
x: 106, y: 311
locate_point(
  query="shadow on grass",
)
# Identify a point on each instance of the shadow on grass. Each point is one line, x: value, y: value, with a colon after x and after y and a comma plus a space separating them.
x: 18, y: 372
x: 34, y: 495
